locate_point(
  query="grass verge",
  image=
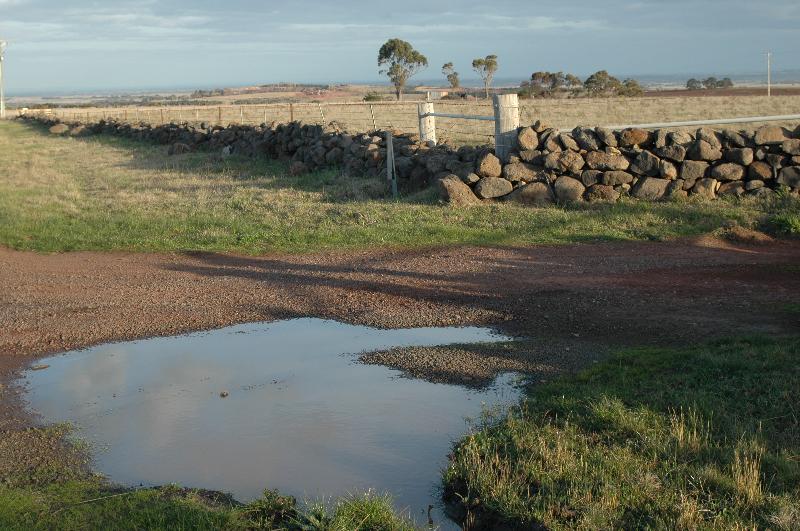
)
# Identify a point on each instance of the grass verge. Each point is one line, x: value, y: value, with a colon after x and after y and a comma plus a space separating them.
x: 698, y: 438
x: 101, y: 193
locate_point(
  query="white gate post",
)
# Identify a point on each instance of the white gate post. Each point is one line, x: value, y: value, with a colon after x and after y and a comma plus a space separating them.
x: 427, y: 124
x: 506, y: 123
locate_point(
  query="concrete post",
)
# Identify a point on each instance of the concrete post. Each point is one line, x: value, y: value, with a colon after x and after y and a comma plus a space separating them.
x: 506, y: 123
x: 427, y: 124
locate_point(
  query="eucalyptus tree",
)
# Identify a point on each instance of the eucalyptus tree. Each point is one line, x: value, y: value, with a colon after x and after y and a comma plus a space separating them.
x: 400, y: 61
x: 486, y: 68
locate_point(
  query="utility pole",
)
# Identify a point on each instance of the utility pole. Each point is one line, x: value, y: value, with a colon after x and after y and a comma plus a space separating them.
x: 3, y: 45
x: 769, y: 74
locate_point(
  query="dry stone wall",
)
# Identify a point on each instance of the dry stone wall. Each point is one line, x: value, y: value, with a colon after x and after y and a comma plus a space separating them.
x: 547, y: 166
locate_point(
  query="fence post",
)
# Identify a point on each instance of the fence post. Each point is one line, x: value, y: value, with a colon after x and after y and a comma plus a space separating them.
x: 506, y: 123
x: 241, y: 115
x: 322, y: 114
x: 372, y: 112
x: 219, y: 115
x: 427, y: 124
x: 391, y: 174
x: 291, y: 112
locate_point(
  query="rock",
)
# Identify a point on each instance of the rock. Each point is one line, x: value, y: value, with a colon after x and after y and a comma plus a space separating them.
x: 790, y: 177
x: 710, y: 136
x: 706, y: 188
x: 733, y: 188
x: 601, y: 160
x: 334, y: 156
x: 586, y: 138
x: 646, y: 164
x: 536, y: 194
x: 661, y: 138
x: 769, y: 135
x: 681, y: 138
x: 796, y: 160
x: 564, y: 161
x: 568, y: 142
x: 743, y: 156
x: 59, y: 129
x: 520, y: 172
x: 79, y: 130
x: 298, y: 168
x: 753, y: 185
x: 675, y: 152
x: 633, y: 137
x: 616, y: 178
x: 453, y: 191
x: 471, y: 178
x: 178, y: 149
x: 702, y: 150
x: 227, y: 151
x: 568, y: 189
x: 601, y: 193
x: 763, y: 193
x: 667, y: 170
x: 489, y: 166
x: 728, y: 172
x: 775, y: 160
x: 527, y: 139
x: 676, y: 188
x: 532, y: 156
x: 590, y: 177
x: 733, y: 139
x: 650, y: 188
x: 606, y: 136
x: 491, y: 187
x: 760, y: 171
x: 692, y: 170
x: 791, y: 146
x: 550, y: 141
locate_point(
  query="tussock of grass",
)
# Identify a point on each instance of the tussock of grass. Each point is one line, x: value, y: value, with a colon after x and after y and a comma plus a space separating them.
x: 65, y: 194
x: 707, y: 437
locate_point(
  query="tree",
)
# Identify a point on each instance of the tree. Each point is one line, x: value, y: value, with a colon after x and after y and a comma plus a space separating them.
x: 401, y: 62
x: 694, y: 84
x: 710, y: 83
x: 573, y: 81
x: 486, y: 68
x: 631, y: 88
x: 451, y: 75
x: 725, y: 83
x: 602, y: 84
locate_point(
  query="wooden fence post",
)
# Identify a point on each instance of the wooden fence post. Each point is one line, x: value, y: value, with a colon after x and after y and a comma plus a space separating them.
x: 219, y: 115
x: 291, y: 113
x: 322, y: 114
x: 391, y: 174
x: 427, y: 124
x: 241, y: 115
x: 372, y: 112
x: 506, y: 123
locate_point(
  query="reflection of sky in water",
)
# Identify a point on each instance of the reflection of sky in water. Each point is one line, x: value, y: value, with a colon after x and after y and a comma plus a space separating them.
x: 301, y: 417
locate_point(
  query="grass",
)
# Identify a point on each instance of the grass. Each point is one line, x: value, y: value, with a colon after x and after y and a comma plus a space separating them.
x: 697, y: 438
x: 65, y: 194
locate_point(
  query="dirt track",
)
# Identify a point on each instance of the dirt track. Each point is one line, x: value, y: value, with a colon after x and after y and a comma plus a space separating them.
x: 581, y: 299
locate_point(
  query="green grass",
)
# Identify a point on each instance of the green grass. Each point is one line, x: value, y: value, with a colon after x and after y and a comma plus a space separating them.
x: 705, y: 437
x: 65, y: 194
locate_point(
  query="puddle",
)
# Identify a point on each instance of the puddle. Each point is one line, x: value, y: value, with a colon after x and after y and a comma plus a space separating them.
x: 300, y: 415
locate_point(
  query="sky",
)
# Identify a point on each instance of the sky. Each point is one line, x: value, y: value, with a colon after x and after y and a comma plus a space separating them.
x: 65, y: 45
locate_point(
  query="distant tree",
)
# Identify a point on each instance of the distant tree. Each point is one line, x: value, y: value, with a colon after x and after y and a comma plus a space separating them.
x: 602, y: 84
x: 631, y: 88
x: 486, y: 68
x: 572, y: 81
x: 694, y: 84
x: 401, y: 62
x: 452, y: 76
x: 725, y: 83
x: 710, y: 83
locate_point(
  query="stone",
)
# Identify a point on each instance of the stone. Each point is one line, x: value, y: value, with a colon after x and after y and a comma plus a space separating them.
x: 606, y: 136
x: 634, y: 137
x: 692, y: 170
x: 763, y: 193
x: 728, y: 172
x: 527, y: 139
x: 702, y: 150
x: 733, y: 139
x: 178, y: 148
x: 615, y: 178
x: 491, y: 187
x: 676, y: 188
x: 674, y: 152
x: 706, y: 188
x: 564, y: 161
x: 586, y: 138
x: 760, y: 171
x: 667, y: 170
x: 489, y: 166
x: 646, y: 164
x: 681, y: 138
x: 601, y: 160
x: 661, y: 138
x: 533, y: 156
x: 298, y: 168
x: 709, y: 135
x: 743, y: 156
x: 472, y: 178
x: 568, y: 142
x: 79, y: 130
x: 796, y: 160
x: 537, y: 194
x: 455, y: 192
x: 768, y: 135
x: 601, y: 193
x: 753, y: 185
x: 790, y: 177
x: 791, y: 146
x: 520, y: 172
x: 775, y: 160
x: 733, y: 188
x: 650, y: 188
x: 590, y: 177
x: 59, y: 129
x: 569, y: 190
x: 550, y: 141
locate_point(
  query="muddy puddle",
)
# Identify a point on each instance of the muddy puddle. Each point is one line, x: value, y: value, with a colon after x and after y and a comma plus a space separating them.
x: 277, y: 405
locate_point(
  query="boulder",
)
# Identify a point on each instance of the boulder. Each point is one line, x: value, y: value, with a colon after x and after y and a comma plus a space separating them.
x: 709, y: 135
x: 606, y: 136
x: 492, y: 187
x: 650, y: 188
x: 661, y: 138
x: 564, y: 161
x: 298, y: 168
x: 453, y: 191
x: 590, y: 177
x: 759, y: 171
x: 732, y: 139
x: 527, y: 139
x: 667, y: 170
x: 706, y: 188
x: 586, y: 138
x: 601, y: 193
x: 569, y: 189
x: 733, y: 188
x: 634, y: 137
x: 753, y: 185
x: 743, y: 156
x: 776, y: 161
x: 536, y: 194
x: 550, y: 141
x: 791, y: 146
x: 472, y: 178
x: 681, y: 138
x: 520, y: 172
x: 676, y: 188
x: 489, y: 166
x: 59, y: 129
x: 769, y: 135
x: 763, y: 193
x: 605, y: 161
x: 692, y: 170
x: 646, y: 164
x: 674, y: 152
x: 532, y: 156
x: 568, y: 142
x: 728, y: 172
x: 790, y: 177
x: 616, y: 178
x: 79, y: 130
x: 702, y: 150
